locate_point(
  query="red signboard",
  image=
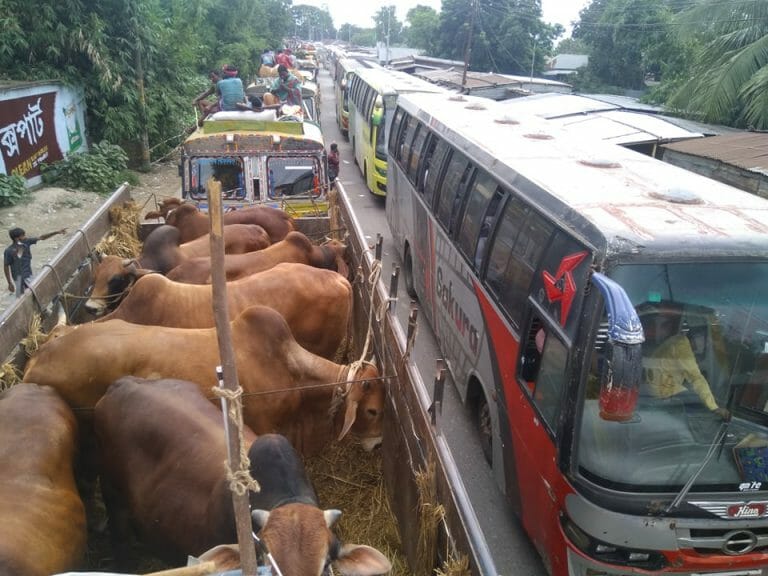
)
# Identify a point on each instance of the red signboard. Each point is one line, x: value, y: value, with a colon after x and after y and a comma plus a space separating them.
x: 28, y: 134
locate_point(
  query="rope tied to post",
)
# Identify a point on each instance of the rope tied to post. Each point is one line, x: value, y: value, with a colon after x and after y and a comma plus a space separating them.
x: 240, y: 480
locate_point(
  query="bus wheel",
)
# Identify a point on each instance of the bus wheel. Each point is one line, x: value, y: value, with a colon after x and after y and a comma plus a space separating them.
x: 408, y: 273
x: 354, y: 152
x: 484, y: 428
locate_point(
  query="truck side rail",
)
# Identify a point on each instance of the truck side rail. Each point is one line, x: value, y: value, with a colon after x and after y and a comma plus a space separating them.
x: 413, y: 442
x: 67, y: 273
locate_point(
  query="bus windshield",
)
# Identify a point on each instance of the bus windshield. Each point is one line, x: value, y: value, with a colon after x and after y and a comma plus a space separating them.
x: 381, y: 143
x: 704, y: 381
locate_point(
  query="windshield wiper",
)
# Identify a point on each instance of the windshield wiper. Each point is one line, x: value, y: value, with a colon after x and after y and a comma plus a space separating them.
x: 715, y: 446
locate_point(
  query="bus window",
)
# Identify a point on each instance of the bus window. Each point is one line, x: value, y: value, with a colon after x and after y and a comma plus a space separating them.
x: 514, y: 255
x: 452, y: 189
x: 548, y: 356
x: 433, y: 170
x: 404, y: 125
x: 425, y: 160
x: 489, y: 220
x: 394, y: 137
x: 416, y: 149
x: 406, y: 146
x: 571, y: 260
x: 477, y: 202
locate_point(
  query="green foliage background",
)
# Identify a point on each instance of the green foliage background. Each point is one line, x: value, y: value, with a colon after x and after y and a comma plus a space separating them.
x: 98, y: 44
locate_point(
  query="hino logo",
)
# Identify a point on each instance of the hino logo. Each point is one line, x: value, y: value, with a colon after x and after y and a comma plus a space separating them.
x: 751, y: 510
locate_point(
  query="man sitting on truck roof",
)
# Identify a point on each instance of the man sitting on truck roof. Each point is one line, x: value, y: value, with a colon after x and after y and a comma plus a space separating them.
x: 285, y: 89
x: 230, y: 89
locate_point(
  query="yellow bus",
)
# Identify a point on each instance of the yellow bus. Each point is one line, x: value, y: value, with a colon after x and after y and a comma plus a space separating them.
x: 258, y: 158
x: 372, y: 100
x: 342, y: 72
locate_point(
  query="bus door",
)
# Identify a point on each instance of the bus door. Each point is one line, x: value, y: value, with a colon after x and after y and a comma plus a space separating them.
x: 548, y: 370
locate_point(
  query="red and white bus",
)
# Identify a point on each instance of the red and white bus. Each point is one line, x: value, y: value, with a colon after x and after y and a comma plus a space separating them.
x: 549, y: 268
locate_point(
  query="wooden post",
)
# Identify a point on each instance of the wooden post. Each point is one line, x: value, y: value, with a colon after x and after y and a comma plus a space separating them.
x: 229, y: 370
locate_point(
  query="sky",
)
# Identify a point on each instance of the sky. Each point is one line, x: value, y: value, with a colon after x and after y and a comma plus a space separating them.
x: 360, y: 12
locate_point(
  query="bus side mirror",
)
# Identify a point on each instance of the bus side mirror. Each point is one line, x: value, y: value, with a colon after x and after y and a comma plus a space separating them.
x: 621, y: 367
x: 620, y: 374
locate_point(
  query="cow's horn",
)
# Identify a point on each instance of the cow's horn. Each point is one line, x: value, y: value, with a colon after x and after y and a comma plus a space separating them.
x: 260, y: 518
x: 331, y: 516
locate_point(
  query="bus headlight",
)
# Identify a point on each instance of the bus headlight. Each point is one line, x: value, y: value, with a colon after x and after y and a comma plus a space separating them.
x: 381, y: 171
x: 610, y: 553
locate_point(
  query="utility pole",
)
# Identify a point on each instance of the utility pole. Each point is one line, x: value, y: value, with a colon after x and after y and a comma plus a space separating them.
x: 389, y: 14
x: 533, y: 56
x: 468, y: 45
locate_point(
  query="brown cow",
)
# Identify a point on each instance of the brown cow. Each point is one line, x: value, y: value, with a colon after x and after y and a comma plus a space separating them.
x: 162, y: 448
x: 316, y: 303
x: 296, y: 247
x: 289, y: 389
x: 161, y: 252
x: 43, y: 529
x: 192, y: 223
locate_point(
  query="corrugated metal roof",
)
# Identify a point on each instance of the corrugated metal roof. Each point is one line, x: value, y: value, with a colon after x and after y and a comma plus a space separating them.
x: 617, y: 119
x: 748, y: 150
x: 477, y: 80
x: 625, y: 128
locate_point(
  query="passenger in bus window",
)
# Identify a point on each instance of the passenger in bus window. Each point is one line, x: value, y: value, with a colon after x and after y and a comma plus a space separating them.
x: 669, y: 364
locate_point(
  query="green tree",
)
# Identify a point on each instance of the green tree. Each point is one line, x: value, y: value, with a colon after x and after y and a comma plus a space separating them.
x: 627, y: 40
x: 728, y: 79
x: 572, y: 46
x: 312, y: 23
x: 137, y: 61
x: 506, y: 35
x: 423, y: 23
x: 386, y: 23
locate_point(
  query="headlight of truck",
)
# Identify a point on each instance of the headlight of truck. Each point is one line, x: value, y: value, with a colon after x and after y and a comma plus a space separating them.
x: 611, y: 554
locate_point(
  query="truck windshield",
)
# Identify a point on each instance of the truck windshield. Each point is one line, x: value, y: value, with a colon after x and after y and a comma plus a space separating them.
x: 294, y: 176
x: 704, y: 359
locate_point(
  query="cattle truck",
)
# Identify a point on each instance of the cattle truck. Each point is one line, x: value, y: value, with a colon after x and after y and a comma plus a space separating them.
x: 418, y: 468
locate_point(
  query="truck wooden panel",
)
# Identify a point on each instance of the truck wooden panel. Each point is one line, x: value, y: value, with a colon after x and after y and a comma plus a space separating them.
x: 67, y: 273
x: 412, y: 444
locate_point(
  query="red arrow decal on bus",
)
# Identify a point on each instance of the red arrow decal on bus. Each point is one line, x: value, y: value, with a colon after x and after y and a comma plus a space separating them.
x: 561, y: 286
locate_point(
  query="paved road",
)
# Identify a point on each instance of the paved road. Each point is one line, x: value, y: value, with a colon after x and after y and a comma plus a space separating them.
x: 512, y: 551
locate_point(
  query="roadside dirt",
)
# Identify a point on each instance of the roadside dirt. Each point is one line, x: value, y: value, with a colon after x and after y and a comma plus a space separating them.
x: 49, y: 208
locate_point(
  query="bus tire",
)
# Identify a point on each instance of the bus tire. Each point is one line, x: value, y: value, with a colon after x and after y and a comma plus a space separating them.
x: 354, y: 152
x: 484, y: 427
x: 408, y: 273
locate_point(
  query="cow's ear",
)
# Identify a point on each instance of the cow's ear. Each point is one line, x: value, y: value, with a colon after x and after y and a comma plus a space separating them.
x: 349, y: 415
x: 361, y: 560
x: 131, y: 267
x: 224, y: 556
x: 259, y: 518
x: 153, y: 215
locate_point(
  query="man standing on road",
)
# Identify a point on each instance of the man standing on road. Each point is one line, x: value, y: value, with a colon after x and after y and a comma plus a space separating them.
x: 17, y: 259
